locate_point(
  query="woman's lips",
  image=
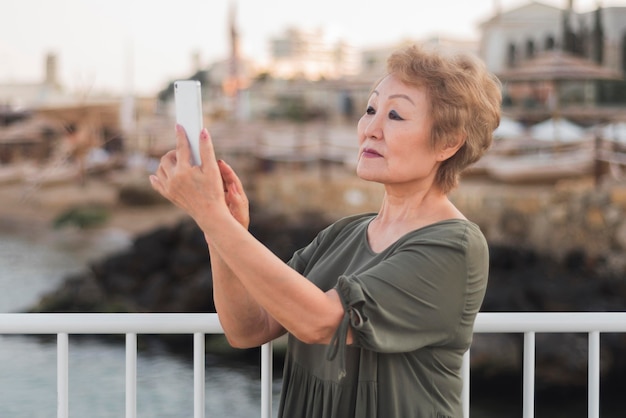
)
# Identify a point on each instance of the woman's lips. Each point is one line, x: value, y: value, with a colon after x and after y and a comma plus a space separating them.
x: 370, y: 153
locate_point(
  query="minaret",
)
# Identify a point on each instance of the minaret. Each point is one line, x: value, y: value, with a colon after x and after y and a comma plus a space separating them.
x: 233, y: 60
x: 234, y: 33
x: 231, y: 84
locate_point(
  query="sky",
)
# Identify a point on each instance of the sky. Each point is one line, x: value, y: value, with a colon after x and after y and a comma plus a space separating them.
x: 138, y: 46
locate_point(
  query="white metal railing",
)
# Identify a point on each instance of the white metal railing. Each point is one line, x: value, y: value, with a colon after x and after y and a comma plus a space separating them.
x: 131, y: 324
x: 198, y: 325
x: 530, y: 323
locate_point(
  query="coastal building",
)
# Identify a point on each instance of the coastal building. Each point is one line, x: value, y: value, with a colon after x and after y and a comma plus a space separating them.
x: 513, y: 36
x: 34, y: 94
x: 374, y: 60
x: 37, y: 118
x: 308, y: 54
x: 558, y: 61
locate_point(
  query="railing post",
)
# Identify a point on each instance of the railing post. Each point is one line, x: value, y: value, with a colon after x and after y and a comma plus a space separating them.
x: 593, y: 401
x: 529, y: 375
x: 62, y: 375
x: 131, y: 375
x: 266, y: 380
x: 465, y: 375
x: 198, y: 374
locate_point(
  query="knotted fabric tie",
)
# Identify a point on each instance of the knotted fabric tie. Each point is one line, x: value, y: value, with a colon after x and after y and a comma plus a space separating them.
x: 338, y: 345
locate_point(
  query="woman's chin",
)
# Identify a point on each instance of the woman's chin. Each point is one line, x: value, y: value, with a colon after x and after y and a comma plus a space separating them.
x: 367, y: 175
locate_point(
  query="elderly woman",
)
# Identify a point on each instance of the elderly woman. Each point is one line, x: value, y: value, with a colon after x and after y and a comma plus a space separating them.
x: 379, y: 307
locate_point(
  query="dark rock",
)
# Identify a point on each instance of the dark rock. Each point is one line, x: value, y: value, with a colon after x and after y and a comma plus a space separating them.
x: 523, y: 281
x: 139, y: 194
x: 168, y: 270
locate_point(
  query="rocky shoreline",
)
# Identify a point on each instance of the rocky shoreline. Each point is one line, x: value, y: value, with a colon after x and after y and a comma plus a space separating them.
x: 167, y: 270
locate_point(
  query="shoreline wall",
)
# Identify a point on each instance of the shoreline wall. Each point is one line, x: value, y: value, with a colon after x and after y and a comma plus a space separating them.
x: 568, y: 219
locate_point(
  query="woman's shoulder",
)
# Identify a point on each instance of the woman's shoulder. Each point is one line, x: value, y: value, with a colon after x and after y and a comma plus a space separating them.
x: 354, y: 220
x: 456, y: 231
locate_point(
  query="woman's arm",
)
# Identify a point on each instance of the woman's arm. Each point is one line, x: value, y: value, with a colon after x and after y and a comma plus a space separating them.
x: 307, y: 312
x: 245, y: 322
x: 310, y: 314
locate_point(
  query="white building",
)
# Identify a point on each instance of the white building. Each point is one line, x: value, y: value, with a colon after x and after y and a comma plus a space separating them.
x: 374, y: 60
x: 513, y: 36
x: 298, y: 53
x: 36, y: 94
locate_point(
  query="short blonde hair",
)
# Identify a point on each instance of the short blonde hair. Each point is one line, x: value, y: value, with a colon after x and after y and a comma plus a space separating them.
x: 465, y: 102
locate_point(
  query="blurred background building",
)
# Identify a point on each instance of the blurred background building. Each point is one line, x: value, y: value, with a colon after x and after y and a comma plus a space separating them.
x: 311, y: 77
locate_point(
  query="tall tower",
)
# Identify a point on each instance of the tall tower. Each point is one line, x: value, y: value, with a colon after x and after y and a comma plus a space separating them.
x: 570, y: 43
x: 497, y: 7
x: 231, y: 84
x: 51, y: 77
x: 234, y: 58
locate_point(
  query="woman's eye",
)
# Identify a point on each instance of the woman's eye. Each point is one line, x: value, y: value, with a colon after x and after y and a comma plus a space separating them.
x: 370, y: 110
x: 394, y: 115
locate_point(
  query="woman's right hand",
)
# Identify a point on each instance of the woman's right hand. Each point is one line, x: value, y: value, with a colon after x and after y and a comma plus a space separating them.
x: 235, y: 196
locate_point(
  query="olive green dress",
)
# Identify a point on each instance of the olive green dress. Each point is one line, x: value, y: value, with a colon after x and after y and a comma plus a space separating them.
x: 411, y: 308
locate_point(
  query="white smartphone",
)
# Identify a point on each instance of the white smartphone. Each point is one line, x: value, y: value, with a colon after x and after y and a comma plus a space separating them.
x: 188, y: 100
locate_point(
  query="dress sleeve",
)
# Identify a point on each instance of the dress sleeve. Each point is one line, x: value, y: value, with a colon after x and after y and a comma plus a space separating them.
x: 412, y: 299
x: 301, y: 258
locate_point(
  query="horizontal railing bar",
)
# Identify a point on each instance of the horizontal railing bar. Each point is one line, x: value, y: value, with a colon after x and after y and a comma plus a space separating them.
x: 549, y: 322
x: 208, y: 323
x: 113, y: 323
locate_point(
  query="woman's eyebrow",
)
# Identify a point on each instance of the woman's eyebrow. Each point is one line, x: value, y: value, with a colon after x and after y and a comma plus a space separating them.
x: 401, y: 96
x: 395, y: 96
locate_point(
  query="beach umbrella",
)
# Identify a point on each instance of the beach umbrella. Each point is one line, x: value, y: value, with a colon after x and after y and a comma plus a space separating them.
x: 615, y: 132
x: 557, y: 129
x: 508, y: 128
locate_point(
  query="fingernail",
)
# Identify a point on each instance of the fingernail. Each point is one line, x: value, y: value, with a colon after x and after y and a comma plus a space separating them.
x: 204, y: 134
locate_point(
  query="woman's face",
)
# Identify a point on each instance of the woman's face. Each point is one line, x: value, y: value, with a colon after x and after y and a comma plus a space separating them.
x: 394, y: 136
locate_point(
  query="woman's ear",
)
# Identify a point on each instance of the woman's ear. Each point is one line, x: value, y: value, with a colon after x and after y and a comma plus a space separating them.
x: 450, y: 148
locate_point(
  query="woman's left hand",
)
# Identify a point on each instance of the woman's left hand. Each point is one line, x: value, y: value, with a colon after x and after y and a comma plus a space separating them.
x: 198, y: 190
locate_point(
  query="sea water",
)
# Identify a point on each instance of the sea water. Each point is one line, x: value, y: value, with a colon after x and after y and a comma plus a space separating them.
x: 33, y: 266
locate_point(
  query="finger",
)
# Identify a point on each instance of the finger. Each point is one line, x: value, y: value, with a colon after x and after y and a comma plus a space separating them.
x: 207, y: 152
x: 170, y: 156
x: 156, y: 183
x: 167, y: 162
x: 231, y: 180
x: 224, y: 184
x: 182, y: 145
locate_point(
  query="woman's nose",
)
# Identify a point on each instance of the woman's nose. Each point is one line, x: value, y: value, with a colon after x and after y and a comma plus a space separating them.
x: 373, y: 127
